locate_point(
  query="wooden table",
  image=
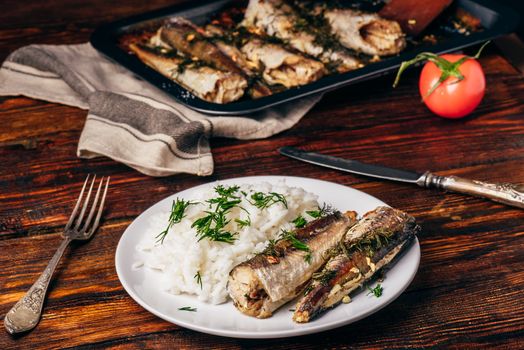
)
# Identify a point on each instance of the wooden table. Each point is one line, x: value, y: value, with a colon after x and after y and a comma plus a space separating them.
x: 468, y: 291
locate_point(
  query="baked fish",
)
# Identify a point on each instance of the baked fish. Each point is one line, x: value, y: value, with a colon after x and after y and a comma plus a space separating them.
x: 193, y: 41
x: 190, y: 40
x: 205, y: 82
x: 262, y: 284
x: 374, y: 242
x: 222, y: 39
x: 280, y: 66
x: 277, y: 18
x: 365, y: 32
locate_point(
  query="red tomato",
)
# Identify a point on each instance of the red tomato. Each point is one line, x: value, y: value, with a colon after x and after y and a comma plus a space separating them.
x: 453, y: 99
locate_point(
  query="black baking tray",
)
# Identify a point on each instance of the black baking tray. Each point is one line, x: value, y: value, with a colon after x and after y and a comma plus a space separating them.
x: 495, y: 18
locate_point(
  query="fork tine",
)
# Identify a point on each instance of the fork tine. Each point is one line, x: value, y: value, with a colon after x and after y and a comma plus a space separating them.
x: 75, y: 209
x: 100, y: 209
x: 93, y: 207
x: 86, y: 202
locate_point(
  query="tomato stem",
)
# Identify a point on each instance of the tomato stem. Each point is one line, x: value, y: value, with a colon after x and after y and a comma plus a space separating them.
x: 448, y: 69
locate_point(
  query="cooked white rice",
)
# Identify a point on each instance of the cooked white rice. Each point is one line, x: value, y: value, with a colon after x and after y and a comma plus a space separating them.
x: 181, y: 256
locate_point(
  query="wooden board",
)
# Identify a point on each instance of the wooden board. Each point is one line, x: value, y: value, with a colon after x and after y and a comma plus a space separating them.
x: 467, y: 294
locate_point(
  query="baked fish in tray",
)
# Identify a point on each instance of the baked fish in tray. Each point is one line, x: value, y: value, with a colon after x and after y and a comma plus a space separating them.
x: 322, y: 34
x: 203, y: 81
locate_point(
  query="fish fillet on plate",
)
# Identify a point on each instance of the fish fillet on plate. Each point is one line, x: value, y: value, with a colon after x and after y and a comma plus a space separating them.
x: 267, y: 281
x: 371, y: 244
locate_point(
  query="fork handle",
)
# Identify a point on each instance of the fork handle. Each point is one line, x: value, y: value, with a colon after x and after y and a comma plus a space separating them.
x: 25, y: 314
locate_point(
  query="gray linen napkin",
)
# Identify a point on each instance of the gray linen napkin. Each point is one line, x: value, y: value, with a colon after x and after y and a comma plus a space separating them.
x: 130, y: 120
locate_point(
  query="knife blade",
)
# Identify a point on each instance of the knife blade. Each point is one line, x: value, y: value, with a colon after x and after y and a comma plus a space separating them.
x: 506, y: 193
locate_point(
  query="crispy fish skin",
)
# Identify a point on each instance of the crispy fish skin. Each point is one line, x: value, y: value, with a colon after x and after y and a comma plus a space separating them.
x: 366, y: 32
x: 281, y: 66
x: 190, y: 40
x: 207, y: 83
x: 265, y: 282
x: 374, y: 242
x: 276, y: 18
x: 258, y: 89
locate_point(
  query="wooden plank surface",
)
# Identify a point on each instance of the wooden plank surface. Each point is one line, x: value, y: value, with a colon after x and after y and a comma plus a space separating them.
x: 468, y: 292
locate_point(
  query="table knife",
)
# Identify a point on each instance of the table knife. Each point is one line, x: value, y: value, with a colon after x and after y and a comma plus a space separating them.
x: 506, y: 193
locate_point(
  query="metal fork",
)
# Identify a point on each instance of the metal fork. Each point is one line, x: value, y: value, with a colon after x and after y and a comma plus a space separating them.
x: 25, y: 314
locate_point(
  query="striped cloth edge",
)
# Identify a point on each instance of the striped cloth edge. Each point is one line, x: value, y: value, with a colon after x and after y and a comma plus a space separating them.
x: 128, y: 119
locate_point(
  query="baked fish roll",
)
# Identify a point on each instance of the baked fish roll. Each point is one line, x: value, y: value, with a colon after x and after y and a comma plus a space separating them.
x: 190, y: 40
x: 262, y: 284
x: 366, y: 32
x: 374, y: 242
x: 205, y: 82
x: 220, y: 37
x: 281, y: 66
x: 277, y: 18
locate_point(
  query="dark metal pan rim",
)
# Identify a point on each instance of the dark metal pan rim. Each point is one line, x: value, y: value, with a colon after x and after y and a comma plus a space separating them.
x: 104, y: 39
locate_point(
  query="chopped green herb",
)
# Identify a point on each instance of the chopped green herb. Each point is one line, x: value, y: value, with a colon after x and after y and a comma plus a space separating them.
x: 315, y: 214
x: 212, y: 225
x: 299, y: 222
x: 297, y: 244
x: 377, y: 291
x: 292, y: 310
x: 262, y: 200
x: 198, y: 278
x: 325, y: 276
x: 187, y: 308
x: 270, y: 248
x: 370, y: 245
x: 178, y: 209
x: 243, y: 223
x: 307, y: 257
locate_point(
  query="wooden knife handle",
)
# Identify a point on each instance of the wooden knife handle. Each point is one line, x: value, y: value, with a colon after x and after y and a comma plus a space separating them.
x: 506, y: 193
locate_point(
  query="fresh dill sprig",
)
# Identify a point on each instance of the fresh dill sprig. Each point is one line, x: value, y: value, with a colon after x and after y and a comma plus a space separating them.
x: 308, y: 257
x: 325, y: 276
x: 299, y: 222
x: 243, y: 223
x: 178, y: 209
x: 270, y: 248
x: 297, y: 244
x: 212, y: 225
x: 188, y: 308
x: 320, y: 212
x: 377, y: 291
x: 262, y: 200
x: 198, y: 278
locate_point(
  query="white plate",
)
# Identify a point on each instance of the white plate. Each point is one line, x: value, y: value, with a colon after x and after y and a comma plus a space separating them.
x: 143, y: 284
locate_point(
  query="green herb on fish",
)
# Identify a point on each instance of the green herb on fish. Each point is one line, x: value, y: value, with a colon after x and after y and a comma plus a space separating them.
x: 297, y: 244
x: 370, y: 245
x: 299, y: 222
x: 178, y: 209
x: 325, y: 276
x: 320, y: 212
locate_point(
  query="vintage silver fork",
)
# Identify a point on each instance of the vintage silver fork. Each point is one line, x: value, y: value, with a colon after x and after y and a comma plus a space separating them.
x: 25, y: 314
